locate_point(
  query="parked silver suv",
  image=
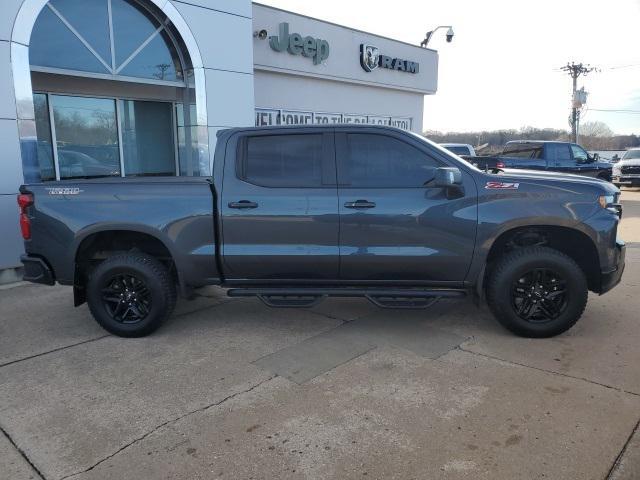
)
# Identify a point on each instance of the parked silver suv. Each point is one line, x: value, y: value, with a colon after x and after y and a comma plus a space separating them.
x: 626, y: 173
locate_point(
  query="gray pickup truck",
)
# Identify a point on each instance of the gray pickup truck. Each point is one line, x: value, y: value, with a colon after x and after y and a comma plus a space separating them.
x: 295, y: 214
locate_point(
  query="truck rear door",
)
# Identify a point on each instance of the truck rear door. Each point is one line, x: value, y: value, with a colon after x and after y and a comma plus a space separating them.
x: 279, y: 207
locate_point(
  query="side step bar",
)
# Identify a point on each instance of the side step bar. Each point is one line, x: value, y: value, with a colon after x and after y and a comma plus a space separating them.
x: 382, y: 297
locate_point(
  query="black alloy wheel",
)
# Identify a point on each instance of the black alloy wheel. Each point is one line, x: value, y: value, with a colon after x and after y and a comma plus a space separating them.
x: 126, y: 298
x: 536, y: 292
x: 131, y: 294
x: 540, y: 295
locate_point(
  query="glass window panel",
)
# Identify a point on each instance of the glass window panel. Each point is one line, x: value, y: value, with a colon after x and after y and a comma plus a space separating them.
x: 380, y: 161
x: 54, y: 45
x: 86, y: 136
x: 523, y: 150
x: 132, y: 25
x: 43, y: 131
x: 194, y: 160
x: 283, y: 161
x: 157, y: 60
x: 579, y: 155
x: 182, y: 119
x: 91, y: 19
x: 147, y: 138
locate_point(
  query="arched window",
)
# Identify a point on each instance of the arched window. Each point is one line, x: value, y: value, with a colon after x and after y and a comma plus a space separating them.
x: 111, y: 38
x: 112, y: 82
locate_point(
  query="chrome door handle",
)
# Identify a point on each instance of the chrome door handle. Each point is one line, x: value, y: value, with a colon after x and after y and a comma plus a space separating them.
x: 360, y: 204
x: 243, y: 204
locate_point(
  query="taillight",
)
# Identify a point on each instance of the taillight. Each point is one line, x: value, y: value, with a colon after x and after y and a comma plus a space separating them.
x: 500, y: 165
x: 25, y: 200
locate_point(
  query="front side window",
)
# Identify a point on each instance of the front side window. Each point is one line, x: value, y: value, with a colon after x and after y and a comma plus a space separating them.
x: 113, y: 37
x: 579, y: 154
x: 282, y: 161
x: 380, y: 161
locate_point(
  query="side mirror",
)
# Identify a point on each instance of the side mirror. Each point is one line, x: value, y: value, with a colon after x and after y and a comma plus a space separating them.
x: 447, y: 177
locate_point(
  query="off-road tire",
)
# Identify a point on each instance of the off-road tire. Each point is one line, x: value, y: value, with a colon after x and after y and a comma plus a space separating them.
x: 160, y: 288
x: 512, y: 266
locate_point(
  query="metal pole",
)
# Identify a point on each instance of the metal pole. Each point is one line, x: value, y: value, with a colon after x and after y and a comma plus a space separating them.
x: 575, y: 109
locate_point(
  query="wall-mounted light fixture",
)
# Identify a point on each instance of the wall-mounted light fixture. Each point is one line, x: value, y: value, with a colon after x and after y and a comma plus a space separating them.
x: 425, y: 42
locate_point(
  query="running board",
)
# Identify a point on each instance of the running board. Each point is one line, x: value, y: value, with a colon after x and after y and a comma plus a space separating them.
x: 382, y: 297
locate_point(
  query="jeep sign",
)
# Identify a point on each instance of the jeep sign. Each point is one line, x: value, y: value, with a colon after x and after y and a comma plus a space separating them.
x: 296, y: 44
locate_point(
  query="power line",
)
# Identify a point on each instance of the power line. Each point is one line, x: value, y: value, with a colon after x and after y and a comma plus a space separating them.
x: 613, y: 110
x: 623, y: 66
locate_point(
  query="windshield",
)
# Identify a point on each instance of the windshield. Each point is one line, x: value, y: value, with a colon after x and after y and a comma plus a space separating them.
x: 629, y: 154
x: 458, y: 150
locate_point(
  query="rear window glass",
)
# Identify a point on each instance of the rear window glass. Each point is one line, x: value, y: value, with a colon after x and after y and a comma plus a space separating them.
x: 459, y: 150
x: 523, y: 150
x: 282, y: 161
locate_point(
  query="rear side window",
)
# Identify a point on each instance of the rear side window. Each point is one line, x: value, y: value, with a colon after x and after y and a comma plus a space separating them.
x: 282, y: 161
x: 379, y: 161
x: 559, y: 153
x: 523, y: 150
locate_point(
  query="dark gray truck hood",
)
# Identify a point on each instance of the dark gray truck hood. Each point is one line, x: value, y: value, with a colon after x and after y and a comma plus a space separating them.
x: 513, y: 174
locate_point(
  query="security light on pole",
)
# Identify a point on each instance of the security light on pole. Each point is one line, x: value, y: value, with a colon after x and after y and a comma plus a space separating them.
x: 425, y: 42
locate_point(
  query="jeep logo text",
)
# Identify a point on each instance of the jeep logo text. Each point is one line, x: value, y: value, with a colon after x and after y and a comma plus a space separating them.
x: 296, y: 44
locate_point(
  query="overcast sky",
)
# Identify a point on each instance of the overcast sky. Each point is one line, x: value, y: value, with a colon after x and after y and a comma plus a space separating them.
x: 501, y: 71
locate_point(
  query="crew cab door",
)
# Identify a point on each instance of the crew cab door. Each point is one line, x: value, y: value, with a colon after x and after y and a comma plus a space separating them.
x: 560, y: 158
x: 279, y: 207
x: 392, y: 227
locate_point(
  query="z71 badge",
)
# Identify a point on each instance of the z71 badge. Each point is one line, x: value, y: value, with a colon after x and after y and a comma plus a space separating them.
x: 501, y: 186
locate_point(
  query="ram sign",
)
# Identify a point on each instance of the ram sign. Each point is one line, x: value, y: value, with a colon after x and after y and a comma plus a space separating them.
x: 270, y: 116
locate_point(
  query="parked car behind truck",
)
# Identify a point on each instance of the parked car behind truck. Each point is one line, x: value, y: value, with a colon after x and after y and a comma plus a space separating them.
x: 295, y: 214
x: 561, y: 157
x: 626, y: 172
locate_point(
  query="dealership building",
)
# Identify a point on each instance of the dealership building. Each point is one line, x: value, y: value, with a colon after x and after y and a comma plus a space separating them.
x: 95, y: 88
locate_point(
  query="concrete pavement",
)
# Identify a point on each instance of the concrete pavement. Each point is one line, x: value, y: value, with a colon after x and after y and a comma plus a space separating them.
x: 232, y: 389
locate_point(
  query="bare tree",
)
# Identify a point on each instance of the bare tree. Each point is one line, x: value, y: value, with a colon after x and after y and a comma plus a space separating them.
x: 595, y: 129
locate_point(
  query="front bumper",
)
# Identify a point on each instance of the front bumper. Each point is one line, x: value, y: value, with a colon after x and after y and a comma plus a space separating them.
x: 36, y: 270
x: 612, y: 278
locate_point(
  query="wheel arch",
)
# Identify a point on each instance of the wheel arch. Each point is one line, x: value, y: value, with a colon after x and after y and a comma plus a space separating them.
x: 571, y: 241
x: 99, y: 242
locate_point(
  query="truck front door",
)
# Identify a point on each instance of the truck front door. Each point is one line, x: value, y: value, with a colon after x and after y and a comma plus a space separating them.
x: 280, y: 208
x: 393, y: 227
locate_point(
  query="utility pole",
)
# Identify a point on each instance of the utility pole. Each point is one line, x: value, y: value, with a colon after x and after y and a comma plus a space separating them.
x: 575, y: 70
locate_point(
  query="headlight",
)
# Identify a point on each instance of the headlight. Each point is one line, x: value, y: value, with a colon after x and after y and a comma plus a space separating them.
x: 606, y: 201
x: 616, y: 170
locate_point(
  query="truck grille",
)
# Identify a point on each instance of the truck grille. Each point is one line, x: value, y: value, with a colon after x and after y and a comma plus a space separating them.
x: 630, y: 170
